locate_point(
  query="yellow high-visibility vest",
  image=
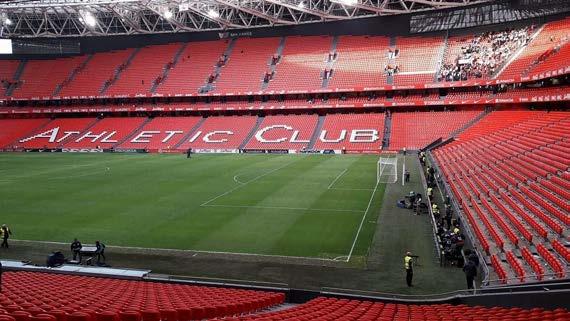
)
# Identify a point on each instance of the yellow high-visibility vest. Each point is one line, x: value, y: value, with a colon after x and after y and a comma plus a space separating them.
x: 407, y: 262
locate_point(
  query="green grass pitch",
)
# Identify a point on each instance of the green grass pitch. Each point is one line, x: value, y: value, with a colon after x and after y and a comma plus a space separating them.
x: 292, y: 205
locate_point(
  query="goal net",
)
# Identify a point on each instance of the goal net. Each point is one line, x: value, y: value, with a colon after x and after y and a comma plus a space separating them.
x: 387, y: 170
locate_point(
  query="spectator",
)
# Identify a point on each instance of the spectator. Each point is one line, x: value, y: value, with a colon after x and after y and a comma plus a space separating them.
x: 470, y: 269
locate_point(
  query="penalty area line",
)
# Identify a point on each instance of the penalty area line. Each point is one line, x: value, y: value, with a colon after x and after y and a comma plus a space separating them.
x: 361, y: 223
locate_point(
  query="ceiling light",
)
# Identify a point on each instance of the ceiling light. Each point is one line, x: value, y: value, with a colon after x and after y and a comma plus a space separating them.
x: 8, y: 21
x: 213, y: 14
x: 301, y: 5
x: 168, y: 14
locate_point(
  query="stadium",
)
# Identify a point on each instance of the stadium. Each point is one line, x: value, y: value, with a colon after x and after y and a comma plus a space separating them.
x: 176, y: 160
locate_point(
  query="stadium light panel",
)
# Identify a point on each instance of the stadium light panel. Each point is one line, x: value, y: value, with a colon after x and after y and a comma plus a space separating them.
x: 87, y: 18
x: 213, y: 14
x: 168, y: 14
x: 347, y: 2
x: 8, y: 22
x: 301, y: 5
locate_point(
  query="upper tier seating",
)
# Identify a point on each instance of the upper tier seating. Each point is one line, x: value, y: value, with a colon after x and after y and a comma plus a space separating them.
x: 343, y: 126
x: 361, y: 61
x: 7, y: 71
x: 481, y: 56
x: 12, y: 129
x: 195, y: 65
x: 505, y: 172
x: 144, y: 69
x: 161, y: 133
x: 227, y: 132
x: 40, y: 78
x: 302, y: 64
x: 284, y: 132
x: 100, y: 69
x: 80, y: 298
x: 549, y: 37
x: 106, y: 133
x: 56, y: 133
x: 417, y: 60
x: 417, y: 130
x: 249, y: 61
x: 331, y: 309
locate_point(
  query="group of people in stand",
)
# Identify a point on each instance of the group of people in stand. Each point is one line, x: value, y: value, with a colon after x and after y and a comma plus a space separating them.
x: 485, y: 54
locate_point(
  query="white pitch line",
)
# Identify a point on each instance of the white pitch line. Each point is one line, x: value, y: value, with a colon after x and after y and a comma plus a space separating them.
x: 361, y: 223
x: 287, y: 208
x: 352, y: 189
x: 245, y: 183
x: 336, y: 179
x: 191, y: 251
x: 237, y: 180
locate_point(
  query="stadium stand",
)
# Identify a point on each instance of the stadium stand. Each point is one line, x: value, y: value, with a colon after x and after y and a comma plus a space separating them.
x: 221, y: 133
x: 338, y: 130
x: 550, y: 36
x: 12, y: 129
x: 303, y: 62
x: 161, y: 133
x: 361, y: 61
x: 496, y: 170
x: 56, y: 133
x: 324, y: 309
x: 23, y: 296
x: 417, y: 130
x: 40, y: 78
x: 284, y: 132
x: 192, y: 70
x: 7, y: 72
x: 249, y: 61
x: 418, y: 59
x: 144, y: 70
x: 107, y: 133
x: 102, y: 68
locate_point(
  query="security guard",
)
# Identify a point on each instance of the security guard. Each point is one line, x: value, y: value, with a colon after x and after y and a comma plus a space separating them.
x: 5, y: 233
x: 409, y: 266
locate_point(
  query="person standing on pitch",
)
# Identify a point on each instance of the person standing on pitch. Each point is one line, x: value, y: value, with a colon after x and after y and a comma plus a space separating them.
x: 409, y: 266
x: 75, y: 248
x: 5, y: 230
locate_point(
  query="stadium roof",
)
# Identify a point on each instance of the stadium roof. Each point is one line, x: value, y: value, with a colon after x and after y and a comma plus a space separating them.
x: 63, y: 18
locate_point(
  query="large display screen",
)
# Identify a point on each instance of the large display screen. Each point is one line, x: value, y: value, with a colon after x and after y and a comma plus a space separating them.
x: 5, y: 46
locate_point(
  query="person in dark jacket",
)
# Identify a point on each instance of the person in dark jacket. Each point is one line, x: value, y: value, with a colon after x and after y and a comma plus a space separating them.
x: 470, y: 267
x: 5, y: 230
x: 100, y: 251
x: 75, y: 248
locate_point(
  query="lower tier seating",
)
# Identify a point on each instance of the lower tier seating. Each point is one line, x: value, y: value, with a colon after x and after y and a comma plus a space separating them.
x: 56, y: 297
x: 506, y: 173
x: 161, y: 133
x: 106, y: 133
x: 417, y: 130
x: 329, y: 309
x: 220, y: 133
x: 56, y: 133
x: 13, y: 129
x: 284, y: 132
x: 361, y: 132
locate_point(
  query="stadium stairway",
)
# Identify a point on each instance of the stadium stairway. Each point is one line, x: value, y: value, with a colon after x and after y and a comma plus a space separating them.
x: 470, y: 123
x: 258, y: 123
x: 190, y: 133
x: 330, y: 64
x: 72, y: 75
x: 317, y: 132
x: 85, y: 130
x: 518, y: 53
x: 210, y: 86
x: 166, y: 70
x: 387, y: 131
x: 31, y: 132
x: 442, y: 55
x: 132, y: 134
x: 119, y: 70
x: 17, y: 76
x: 272, y: 67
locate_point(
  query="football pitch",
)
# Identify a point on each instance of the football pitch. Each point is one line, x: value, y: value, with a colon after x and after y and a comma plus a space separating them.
x: 314, y: 206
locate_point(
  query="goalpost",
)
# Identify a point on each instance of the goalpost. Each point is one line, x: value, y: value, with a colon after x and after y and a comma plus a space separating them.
x: 387, y: 170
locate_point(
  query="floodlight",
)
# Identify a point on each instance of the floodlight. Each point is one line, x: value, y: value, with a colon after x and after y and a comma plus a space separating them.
x: 213, y: 14
x: 168, y: 14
